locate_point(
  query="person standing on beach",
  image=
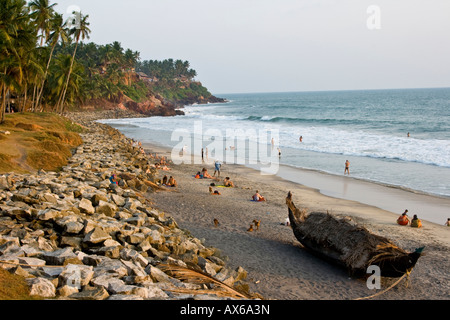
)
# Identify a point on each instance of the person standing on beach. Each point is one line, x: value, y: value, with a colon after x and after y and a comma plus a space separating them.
x: 347, y: 166
x: 202, y: 156
x: 217, y: 166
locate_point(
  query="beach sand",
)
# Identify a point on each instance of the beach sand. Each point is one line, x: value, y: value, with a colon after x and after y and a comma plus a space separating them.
x: 277, y: 264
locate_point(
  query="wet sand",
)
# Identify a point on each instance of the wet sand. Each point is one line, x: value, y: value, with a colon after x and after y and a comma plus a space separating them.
x: 278, y: 266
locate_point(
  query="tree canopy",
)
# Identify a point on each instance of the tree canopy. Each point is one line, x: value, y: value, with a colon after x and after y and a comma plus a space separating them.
x: 46, y: 65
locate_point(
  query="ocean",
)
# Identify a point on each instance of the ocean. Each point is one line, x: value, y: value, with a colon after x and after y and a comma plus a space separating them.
x: 398, y: 138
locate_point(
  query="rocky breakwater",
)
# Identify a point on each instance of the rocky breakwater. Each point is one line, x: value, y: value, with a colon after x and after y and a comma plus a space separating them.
x: 74, y: 235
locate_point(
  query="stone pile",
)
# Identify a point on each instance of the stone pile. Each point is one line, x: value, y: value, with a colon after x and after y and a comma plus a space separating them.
x: 74, y: 235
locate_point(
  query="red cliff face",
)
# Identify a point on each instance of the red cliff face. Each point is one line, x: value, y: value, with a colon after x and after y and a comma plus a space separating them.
x: 153, y: 107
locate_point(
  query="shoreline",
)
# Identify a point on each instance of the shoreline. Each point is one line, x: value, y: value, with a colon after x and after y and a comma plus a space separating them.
x: 79, y: 221
x: 380, y: 183
x: 278, y: 266
x: 323, y: 174
x: 429, y: 207
x: 395, y: 199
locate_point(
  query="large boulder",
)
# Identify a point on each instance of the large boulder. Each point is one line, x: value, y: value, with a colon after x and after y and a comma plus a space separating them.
x: 96, y: 236
x: 86, y: 206
x: 41, y: 287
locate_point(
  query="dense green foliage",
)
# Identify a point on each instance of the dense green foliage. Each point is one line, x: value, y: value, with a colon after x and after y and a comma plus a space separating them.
x: 45, y: 65
x: 177, y: 91
x: 167, y: 69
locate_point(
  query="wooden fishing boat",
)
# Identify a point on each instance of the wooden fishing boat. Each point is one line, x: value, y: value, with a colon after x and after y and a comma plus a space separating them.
x: 342, y: 241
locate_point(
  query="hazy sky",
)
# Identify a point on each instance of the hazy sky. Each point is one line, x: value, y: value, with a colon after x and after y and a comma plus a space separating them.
x: 284, y: 45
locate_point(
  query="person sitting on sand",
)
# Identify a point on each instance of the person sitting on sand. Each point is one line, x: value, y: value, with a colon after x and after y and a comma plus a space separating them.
x: 403, y: 219
x: 206, y: 174
x: 171, y: 182
x: 164, y: 180
x: 415, y: 222
x: 198, y: 175
x: 448, y: 222
x: 228, y: 183
x: 214, y: 193
x: 258, y: 197
x: 113, y: 179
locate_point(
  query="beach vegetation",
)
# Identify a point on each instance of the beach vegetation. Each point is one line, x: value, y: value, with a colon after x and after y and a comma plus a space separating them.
x: 14, y: 287
x: 45, y: 65
x: 37, y: 141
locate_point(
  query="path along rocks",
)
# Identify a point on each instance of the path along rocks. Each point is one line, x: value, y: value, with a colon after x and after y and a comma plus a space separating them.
x: 74, y: 235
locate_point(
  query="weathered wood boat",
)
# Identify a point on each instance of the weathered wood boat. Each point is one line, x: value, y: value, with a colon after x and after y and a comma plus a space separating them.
x: 348, y: 244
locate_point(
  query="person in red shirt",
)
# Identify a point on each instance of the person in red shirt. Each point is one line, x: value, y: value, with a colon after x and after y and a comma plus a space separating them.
x: 403, y: 219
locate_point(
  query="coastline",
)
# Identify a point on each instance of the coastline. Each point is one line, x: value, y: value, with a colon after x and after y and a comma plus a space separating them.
x: 394, y: 199
x: 278, y: 266
x: 80, y: 221
x: 395, y: 195
x: 429, y: 207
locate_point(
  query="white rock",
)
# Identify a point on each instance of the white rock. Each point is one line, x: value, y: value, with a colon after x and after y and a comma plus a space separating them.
x: 41, y: 287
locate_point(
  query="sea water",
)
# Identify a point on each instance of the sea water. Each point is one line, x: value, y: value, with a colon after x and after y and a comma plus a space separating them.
x: 398, y: 137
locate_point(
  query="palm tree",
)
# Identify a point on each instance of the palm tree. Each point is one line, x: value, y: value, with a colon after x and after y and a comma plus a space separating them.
x: 80, y: 31
x: 75, y: 84
x: 58, y: 32
x: 117, y: 52
x: 114, y: 74
x: 59, y: 72
x: 16, y: 38
x: 108, y: 89
x: 32, y: 70
x: 130, y: 59
x: 42, y: 15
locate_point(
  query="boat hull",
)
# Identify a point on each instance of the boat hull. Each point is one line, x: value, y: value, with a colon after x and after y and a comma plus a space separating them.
x: 344, y: 243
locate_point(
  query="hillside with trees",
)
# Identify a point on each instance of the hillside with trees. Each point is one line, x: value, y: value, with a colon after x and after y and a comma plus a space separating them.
x: 47, y: 65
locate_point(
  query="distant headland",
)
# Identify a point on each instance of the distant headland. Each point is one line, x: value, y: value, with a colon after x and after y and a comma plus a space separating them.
x: 47, y: 66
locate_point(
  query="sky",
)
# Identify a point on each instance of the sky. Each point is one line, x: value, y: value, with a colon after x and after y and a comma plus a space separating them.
x: 247, y: 46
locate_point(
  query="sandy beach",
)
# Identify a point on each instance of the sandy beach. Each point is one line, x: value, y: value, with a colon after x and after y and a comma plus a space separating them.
x: 277, y: 264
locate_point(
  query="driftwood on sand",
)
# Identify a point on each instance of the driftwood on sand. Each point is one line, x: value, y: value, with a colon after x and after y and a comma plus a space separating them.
x: 348, y: 244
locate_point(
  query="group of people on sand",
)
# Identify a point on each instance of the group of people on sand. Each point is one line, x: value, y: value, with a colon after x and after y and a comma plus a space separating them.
x: 161, y: 163
x: 203, y: 174
x: 403, y: 220
x: 169, y: 182
x: 226, y: 182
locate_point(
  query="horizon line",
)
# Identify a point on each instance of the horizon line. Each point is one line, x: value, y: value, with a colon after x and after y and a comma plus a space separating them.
x: 331, y: 90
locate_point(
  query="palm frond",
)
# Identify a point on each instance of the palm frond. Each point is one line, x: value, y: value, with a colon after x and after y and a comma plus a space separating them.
x: 198, y: 277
